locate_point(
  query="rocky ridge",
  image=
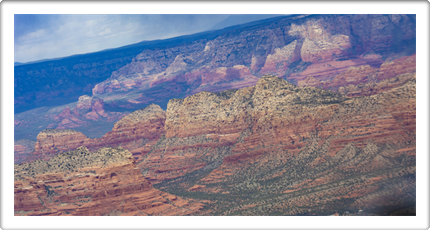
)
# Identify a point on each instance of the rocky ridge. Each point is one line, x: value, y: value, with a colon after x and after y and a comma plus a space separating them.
x: 286, y: 141
x: 365, y: 80
x: 285, y: 47
x: 137, y: 130
x: 294, y: 144
x: 22, y: 148
x: 81, y: 183
x: 293, y: 48
x: 264, y: 146
x: 83, y: 115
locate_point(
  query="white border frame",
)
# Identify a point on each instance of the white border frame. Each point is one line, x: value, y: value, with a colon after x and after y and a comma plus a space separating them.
x: 9, y: 8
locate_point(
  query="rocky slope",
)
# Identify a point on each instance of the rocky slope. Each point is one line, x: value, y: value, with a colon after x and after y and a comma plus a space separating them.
x: 81, y: 183
x: 274, y: 149
x: 343, y: 139
x: 22, y: 149
x: 365, y: 80
x: 88, y: 114
x: 273, y: 46
x: 136, y: 131
x: 63, y: 80
x: 303, y: 49
x: 322, y: 45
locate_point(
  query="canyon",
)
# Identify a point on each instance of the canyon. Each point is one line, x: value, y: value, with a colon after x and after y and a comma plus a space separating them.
x: 303, y: 49
x: 136, y: 131
x: 295, y: 145
x: 22, y: 149
x: 295, y: 115
x: 80, y: 183
x: 291, y: 48
x: 269, y: 149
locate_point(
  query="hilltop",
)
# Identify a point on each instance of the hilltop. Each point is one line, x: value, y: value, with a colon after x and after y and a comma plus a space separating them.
x: 269, y: 149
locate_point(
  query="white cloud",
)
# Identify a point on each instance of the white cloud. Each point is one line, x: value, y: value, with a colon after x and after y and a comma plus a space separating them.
x: 74, y: 34
x: 33, y: 35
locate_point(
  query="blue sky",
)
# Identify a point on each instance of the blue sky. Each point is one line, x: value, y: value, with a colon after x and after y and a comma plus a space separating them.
x: 39, y: 36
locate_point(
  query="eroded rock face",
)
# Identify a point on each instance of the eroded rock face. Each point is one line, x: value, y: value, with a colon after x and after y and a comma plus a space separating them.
x: 343, y: 140
x: 365, y: 80
x: 135, y: 131
x: 88, y: 115
x: 22, y: 148
x: 309, y: 151
x: 52, y: 141
x: 298, y: 144
x: 87, y: 109
x: 91, y: 108
x: 293, y: 48
x: 323, y: 45
x: 278, y: 62
x: 81, y: 183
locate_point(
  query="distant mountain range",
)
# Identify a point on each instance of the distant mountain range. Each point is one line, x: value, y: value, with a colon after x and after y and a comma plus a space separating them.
x: 292, y: 115
x: 269, y: 149
x: 53, y: 82
x: 238, y: 19
x: 303, y: 49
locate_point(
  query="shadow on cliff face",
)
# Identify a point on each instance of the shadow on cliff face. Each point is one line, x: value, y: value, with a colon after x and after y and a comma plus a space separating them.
x: 232, y: 74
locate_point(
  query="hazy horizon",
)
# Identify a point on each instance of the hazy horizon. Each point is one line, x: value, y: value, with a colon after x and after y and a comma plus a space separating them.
x: 49, y: 36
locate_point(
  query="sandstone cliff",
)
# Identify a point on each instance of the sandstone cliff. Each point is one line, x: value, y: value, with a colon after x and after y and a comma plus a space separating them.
x: 297, y: 48
x: 136, y: 131
x: 365, y: 80
x: 81, y: 183
x: 22, y: 148
x: 322, y: 45
x: 273, y: 149
x: 343, y: 139
x: 89, y: 115
x: 295, y: 145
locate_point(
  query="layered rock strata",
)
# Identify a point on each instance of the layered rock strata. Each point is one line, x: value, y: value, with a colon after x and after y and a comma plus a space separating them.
x: 365, y: 80
x: 279, y: 149
x: 89, y: 114
x: 52, y: 141
x: 22, y: 149
x: 135, y: 131
x: 292, y: 48
x: 295, y: 144
x: 80, y: 183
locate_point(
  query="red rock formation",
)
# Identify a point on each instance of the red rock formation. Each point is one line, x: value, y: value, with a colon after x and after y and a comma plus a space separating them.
x: 275, y: 129
x: 90, y: 108
x: 220, y: 79
x: 396, y: 67
x: 325, y: 44
x: 303, y: 146
x: 134, y: 131
x: 53, y: 141
x: 274, y: 147
x: 22, y: 148
x: 144, y: 126
x: 88, y: 113
x: 292, y: 48
x: 322, y: 50
x: 115, y: 187
x: 326, y: 71
x: 206, y: 111
x: 278, y: 62
x: 67, y: 120
x: 366, y: 80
